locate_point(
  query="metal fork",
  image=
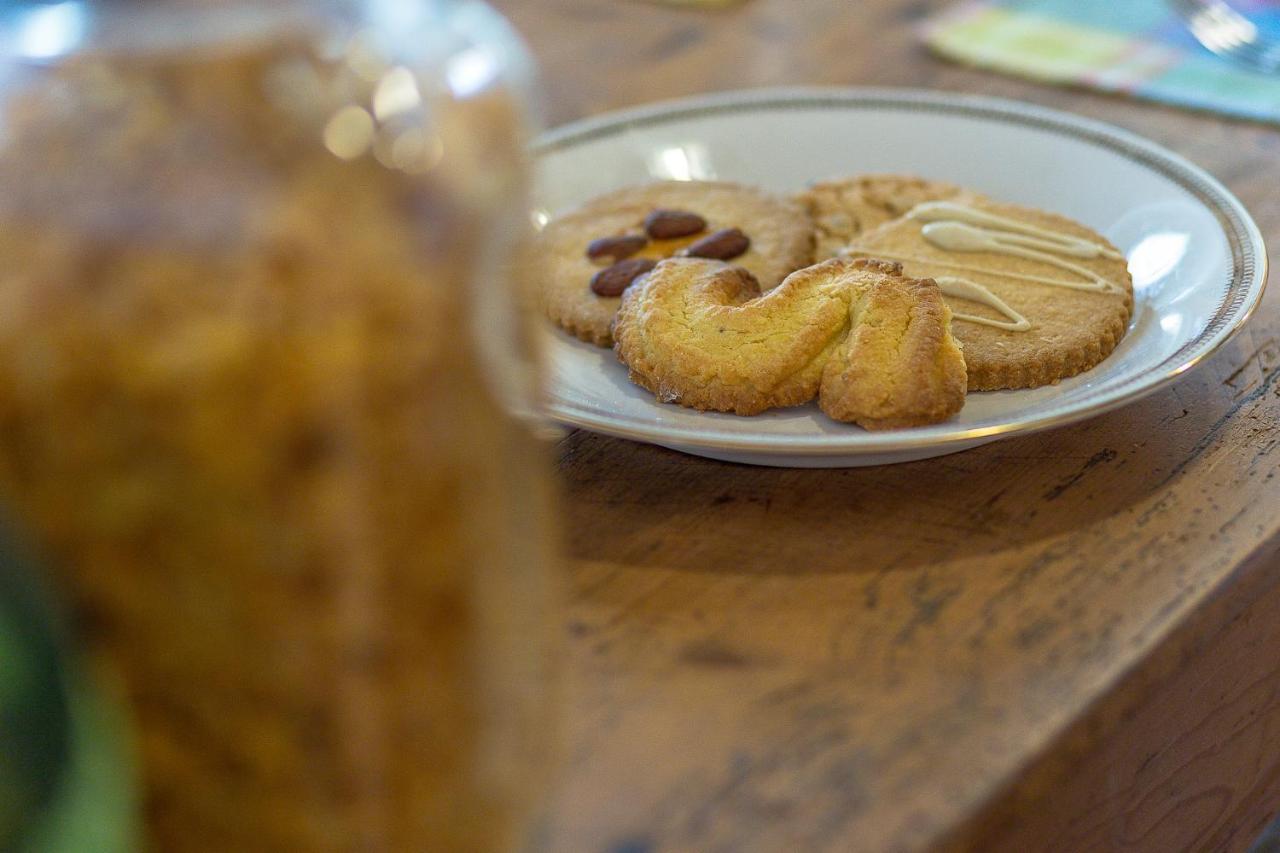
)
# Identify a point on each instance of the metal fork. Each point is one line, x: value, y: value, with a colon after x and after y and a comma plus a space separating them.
x: 1228, y: 33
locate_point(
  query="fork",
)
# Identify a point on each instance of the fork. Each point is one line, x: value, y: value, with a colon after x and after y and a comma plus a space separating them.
x: 1226, y: 32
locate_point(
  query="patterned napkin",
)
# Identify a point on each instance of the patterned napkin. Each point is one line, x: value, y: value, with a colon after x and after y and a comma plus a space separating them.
x: 1137, y: 47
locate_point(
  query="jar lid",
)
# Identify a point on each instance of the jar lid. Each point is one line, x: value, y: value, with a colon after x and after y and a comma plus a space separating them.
x: 48, y: 32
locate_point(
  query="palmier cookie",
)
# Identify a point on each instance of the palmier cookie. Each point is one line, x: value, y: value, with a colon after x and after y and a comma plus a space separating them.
x: 873, y: 346
x: 843, y: 208
x: 1036, y: 297
x: 777, y: 232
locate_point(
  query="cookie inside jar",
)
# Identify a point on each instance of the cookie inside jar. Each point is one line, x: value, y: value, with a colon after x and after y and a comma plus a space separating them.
x: 248, y: 423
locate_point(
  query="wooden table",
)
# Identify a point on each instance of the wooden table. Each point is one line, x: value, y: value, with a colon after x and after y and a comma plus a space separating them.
x: 1069, y: 641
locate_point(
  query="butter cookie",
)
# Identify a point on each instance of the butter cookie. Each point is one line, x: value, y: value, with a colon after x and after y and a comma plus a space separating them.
x: 842, y: 209
x: 873, y: 346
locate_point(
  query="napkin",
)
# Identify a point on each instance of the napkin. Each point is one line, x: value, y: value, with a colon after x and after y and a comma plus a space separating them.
x: 1134, y: 47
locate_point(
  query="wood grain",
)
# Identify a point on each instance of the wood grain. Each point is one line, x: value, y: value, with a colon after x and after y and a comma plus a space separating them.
x: 1066, y: 641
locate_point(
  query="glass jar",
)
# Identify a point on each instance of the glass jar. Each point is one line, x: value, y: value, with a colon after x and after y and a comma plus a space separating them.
x: 265, y: 386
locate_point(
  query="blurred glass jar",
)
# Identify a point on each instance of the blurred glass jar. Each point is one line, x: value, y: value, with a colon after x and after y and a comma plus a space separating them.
x: 265, y: 386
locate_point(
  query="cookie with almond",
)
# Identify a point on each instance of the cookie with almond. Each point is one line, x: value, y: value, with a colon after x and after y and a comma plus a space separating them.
x: 766, y: 234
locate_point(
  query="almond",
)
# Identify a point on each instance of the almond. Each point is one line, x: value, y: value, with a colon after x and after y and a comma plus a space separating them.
x: 611, y: 281
x: 616, y: 248
x: 721, y: 246
x: 669, y: 224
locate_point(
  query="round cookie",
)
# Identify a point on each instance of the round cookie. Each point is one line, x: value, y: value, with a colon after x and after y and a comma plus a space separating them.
x: 780, y: 231
x: 1046, y: 331
x: 846, y: 207
x: 873, y: 346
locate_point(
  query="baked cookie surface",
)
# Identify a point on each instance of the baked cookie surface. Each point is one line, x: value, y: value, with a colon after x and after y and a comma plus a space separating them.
x: 1036, y: 296
x: 900, y: 365
x: 843, y: 208
x: 779, y: 230
x: 874, y: 346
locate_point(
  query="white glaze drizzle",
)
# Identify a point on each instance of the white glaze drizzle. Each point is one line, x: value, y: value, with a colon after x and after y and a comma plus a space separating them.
x: 963, y: 288
x: 959, y: 237
x: 1066, y: 244
x: 936, y: 262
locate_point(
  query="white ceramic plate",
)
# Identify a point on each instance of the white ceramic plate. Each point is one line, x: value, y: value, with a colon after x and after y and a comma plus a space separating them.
x: 1197, y: 258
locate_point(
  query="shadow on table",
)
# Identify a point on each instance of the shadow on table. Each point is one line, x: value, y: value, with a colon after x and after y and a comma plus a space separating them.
x: 638, y: 505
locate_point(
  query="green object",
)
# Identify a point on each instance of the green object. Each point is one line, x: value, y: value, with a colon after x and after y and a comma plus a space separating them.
x: 66, y: 778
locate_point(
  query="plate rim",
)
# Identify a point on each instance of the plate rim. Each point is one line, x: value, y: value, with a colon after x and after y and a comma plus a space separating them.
x: 1241, y: 295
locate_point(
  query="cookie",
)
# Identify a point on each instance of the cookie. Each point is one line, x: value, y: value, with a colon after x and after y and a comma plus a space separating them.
x: 842, y: 209
x: 1036, y: 297
x: 899, y: 366
x: 873, y: 346
x: 778, y: 232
